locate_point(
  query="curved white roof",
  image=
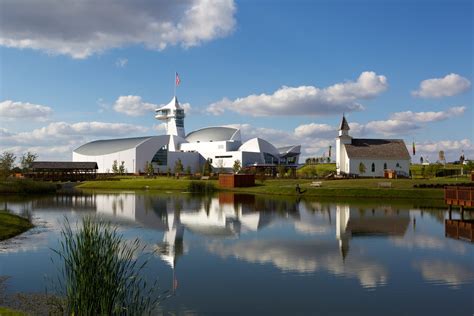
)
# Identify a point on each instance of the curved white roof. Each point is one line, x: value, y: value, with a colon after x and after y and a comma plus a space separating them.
x: 109, y: 146
x: 218, y: 133
x: 259, y: 145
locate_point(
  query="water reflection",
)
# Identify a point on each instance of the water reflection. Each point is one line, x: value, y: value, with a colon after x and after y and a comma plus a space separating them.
x: 366, y: 245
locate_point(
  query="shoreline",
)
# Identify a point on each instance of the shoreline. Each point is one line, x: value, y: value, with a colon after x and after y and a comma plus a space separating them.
x: 12, y: 225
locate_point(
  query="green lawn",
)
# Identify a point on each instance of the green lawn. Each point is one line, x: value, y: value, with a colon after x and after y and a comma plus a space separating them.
x: 12, y: 225
x: 401, y: 188
x: 5, y: 311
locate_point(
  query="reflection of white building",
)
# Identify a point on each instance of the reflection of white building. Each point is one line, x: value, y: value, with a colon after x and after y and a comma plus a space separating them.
x: 354, y: 222
x: 372, y: 155
x: 222, y: 146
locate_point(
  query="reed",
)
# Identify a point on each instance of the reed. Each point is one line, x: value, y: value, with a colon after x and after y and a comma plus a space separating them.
x: 101, y: 272
x: 201, y: 187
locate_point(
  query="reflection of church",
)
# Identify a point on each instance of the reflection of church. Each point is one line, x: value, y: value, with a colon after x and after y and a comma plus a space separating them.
x: 361, y: 222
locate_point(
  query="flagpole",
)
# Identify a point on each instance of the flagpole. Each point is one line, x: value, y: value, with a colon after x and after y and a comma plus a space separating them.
x: 175, y: 84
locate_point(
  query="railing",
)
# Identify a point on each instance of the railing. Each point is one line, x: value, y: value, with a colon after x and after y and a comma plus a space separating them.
x: 460, y: 196
x: 459, y: 229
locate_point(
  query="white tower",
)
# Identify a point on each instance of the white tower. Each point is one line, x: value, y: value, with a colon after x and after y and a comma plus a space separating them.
x: 173, y: 115
x: 341, y: 140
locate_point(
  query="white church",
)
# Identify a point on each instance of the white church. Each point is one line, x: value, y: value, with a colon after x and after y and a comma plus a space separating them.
x: 221, y: 146
x: 368, y: 157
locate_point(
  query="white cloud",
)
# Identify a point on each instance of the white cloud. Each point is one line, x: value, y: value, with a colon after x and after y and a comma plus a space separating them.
x: 133, y: 105
x: 24, y: 110
x: 316, y: 130
x: 443, y: 272
x: 447, y: 86
x: 307, y: 100
x: 121, y: 62
x: 446, y: 145
x: 83, y: 28
x: 425, y: 117
x: 58, y: 139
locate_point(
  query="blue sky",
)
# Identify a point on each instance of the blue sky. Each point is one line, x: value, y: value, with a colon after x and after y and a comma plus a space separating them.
x: 282, y: 70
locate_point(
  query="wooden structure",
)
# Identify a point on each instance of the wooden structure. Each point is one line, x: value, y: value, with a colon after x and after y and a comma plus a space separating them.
x: 63, y: 171
x: 236, y: 180
x: 459, y: 196
x: 389, y: 174
x: 472, y: 175
x: 459, y: 229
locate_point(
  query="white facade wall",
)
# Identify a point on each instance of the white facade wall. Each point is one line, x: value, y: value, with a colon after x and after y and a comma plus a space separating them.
x: 105, y: 162
x: 218, y: 146
x: 191, y: 159
x: 404, y: 166
x: 342, y: 160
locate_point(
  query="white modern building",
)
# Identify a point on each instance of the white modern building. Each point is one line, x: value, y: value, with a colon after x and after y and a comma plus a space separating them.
x: 220, y: 145
x: 370, y: 157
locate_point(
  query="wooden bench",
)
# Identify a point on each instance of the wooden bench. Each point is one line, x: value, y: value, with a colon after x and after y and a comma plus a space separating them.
x: 385, y: 184
x: 205, y: 178
x: 316, y: 184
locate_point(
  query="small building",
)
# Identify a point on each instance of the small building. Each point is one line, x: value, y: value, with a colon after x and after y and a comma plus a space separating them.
x: 63, y: 170
x: 370, y: 157
x: 236, y: 180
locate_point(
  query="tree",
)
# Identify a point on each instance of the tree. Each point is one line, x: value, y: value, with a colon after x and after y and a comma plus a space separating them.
x: 188, y: 170
x: 207, y: 168
x: 441, y: 157
x: 281, y: 169
x: 27, y: 160
x: 237, y: 166
x: 115, y: 168
x: 149, y: 170
x: 362, y: 168
x: 7, y: 160
x: 178, y: 166
x: 121, y: 168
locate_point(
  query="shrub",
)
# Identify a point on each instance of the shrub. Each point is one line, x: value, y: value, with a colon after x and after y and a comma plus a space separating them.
x: 100, y: 273
x: 201, y: 187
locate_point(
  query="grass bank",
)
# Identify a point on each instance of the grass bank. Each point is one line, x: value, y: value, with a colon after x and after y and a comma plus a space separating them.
x: 26, y: 186
x: 352, y: 188
x: 12, y: 225
x: 10, y: 312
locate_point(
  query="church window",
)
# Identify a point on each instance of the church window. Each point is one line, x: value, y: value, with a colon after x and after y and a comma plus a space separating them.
x: 373, y: 167
x: 385, y: 166
x: 398, y: 165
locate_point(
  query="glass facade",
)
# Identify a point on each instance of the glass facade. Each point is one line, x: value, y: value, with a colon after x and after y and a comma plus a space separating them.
x: 161, y: 156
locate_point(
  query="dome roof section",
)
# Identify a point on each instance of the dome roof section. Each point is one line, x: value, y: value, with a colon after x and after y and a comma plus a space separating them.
x: 259, y: 145
x: 293, y: 149
x: 214, y: 134
x: 109, y: 146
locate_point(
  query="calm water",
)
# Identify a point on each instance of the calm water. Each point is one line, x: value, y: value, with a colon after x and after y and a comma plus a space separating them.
x: 260, y: 255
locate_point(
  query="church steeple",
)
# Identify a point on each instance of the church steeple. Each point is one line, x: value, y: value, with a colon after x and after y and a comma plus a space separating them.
x: 344, y: 127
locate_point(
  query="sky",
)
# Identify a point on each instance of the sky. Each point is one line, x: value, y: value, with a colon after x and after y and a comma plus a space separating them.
x: 286, y: 71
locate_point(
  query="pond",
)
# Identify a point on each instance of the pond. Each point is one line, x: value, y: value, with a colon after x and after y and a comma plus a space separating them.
x: 251, y: 254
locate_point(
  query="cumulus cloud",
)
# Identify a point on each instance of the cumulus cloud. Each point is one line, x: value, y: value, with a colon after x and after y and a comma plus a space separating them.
x: 82, y: 28
x: 425, y: 117
x: 447, y: 86
x: 133, y: 105
x: 446, y: 145
x: 442, y: 272
x: 23, y: 110
x: 314, y: 129
x: 58, y: 139
x: 307, y: 100
x: 121, y: 62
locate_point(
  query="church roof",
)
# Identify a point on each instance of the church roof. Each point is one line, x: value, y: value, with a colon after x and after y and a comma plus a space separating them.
x: 377, y: 149
x: 344, y: 125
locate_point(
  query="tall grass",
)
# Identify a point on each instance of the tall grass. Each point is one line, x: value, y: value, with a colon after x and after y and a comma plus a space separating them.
x: 201, y: 187
x: 101, y: 272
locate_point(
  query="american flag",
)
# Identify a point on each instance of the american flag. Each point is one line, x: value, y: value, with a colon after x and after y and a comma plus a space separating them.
x: 178, y: 81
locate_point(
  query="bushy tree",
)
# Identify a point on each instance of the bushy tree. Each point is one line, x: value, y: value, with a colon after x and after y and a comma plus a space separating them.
x: 362, y: 168
x: 237, y: 166
x: 7, y: 161
x: 149, y: 170
x: 188, y: 170
x: 178, y: 166
x: 115, y: 168
x: 207, y: 169
x: 27, y: 160
x: 281, y: 169
x: 121, y: 168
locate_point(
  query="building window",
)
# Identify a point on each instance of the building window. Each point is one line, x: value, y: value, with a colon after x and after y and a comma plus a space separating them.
x: 385, y: 166
x: 161, y: 156
x: 373, y: 167
x: 230, y: 156
x: 398, y: 165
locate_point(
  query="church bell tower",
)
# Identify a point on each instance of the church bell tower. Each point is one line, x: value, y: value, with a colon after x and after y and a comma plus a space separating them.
x: 341, y: 140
